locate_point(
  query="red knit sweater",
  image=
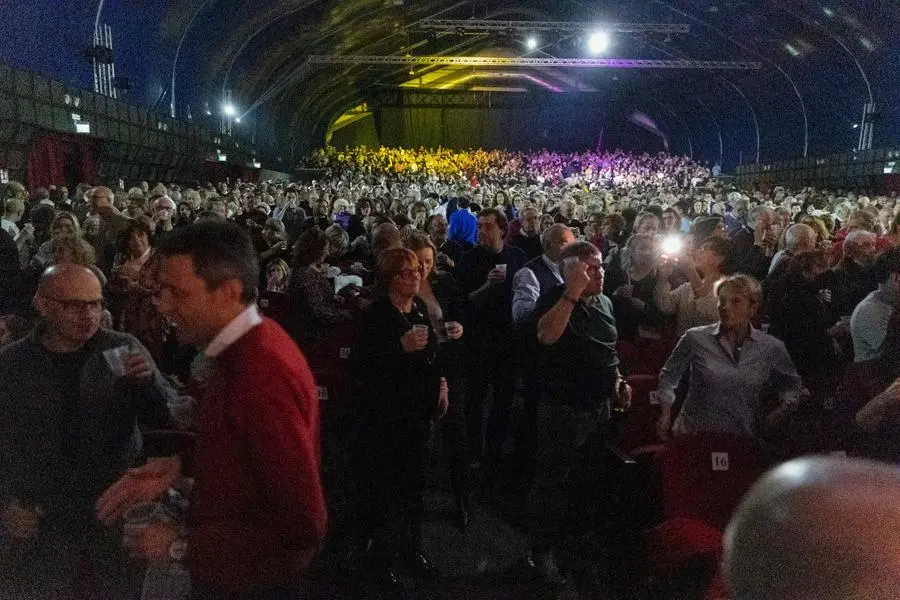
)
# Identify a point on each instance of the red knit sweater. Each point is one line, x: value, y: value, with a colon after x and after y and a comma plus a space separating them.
x: 257, y: 511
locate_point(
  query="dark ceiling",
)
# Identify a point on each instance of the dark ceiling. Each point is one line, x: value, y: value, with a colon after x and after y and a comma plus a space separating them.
x: 810, y: 91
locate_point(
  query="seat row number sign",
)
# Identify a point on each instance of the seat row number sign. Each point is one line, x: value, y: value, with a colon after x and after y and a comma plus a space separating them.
x: 719, y: 461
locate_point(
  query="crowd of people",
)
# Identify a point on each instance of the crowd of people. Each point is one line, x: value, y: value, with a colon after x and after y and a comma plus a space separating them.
x: 485, y: 297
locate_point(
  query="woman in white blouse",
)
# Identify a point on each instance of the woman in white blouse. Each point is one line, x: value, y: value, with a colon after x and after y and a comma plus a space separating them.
x: 693, y: 303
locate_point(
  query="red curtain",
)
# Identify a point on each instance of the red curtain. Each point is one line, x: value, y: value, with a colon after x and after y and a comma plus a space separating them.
x: 50, y: 155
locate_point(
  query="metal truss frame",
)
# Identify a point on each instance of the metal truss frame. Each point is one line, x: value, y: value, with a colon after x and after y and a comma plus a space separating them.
x: 473, y: 99
x: 485, y: 25
x: 499, y: 61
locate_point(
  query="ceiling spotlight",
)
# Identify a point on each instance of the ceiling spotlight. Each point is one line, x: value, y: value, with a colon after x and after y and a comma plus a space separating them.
x: 229, y: 110
x: 598, y: 42
x: 237, y: 119
x: 856, y: 126
x: 531, y: 43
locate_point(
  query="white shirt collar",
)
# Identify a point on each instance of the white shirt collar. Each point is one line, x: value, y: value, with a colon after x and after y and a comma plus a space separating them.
x: 239, y: 326
x: 554, y: 268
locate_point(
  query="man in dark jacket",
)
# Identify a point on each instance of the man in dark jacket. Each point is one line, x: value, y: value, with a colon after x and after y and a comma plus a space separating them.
x: 71, y: 395
x: 486, y: 274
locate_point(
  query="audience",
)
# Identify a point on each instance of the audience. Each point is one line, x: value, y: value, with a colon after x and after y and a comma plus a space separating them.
x: 509, y: 300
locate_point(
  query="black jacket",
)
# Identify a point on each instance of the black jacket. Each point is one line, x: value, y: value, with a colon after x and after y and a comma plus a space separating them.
x: 395, y: 386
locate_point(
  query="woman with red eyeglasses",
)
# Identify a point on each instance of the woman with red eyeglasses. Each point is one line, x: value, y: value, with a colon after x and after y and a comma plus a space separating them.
x: 401, y: 391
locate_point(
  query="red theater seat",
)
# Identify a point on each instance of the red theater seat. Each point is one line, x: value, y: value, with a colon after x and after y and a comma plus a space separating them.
x: 277, y: 307
x: 704, y: 476
x: 637, y: 427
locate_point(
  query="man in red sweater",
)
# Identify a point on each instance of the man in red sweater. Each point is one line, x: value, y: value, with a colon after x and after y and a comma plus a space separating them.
x: 257, y: 511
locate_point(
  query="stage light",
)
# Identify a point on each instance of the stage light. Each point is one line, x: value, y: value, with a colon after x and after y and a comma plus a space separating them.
x: 237, y: 119
x: 229, y: 110
x: 598, y: 42
x: 531, y: 43
x: 856, y: 126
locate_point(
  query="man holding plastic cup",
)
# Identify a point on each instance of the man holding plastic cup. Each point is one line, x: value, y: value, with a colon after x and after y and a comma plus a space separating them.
x: 486, y: 274
x: 257, y: 510
x: 69, y: 429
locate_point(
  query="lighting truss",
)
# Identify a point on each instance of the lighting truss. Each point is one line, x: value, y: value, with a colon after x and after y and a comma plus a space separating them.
x: 499, y: 61
x: 493, y: 25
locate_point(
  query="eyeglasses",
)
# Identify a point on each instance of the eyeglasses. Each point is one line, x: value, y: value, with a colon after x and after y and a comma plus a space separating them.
x: 79, y: 305
x: 411, y: 273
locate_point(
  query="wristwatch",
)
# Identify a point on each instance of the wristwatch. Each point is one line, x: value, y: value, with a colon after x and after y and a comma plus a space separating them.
x: 177, y: 550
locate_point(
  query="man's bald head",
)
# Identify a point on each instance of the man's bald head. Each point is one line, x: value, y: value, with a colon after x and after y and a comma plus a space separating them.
x: 385, y: 237
x: 817, y: 529
x: 800, y: 238
x: 70, y: 279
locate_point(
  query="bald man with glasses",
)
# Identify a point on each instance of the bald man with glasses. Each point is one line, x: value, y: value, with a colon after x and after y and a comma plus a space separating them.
x: 71, y: 397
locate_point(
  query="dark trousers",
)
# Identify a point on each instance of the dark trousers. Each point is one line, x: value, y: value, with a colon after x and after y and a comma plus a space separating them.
x: 455, y: 437
x: 390, y: 466
x: 555, y: 503
x: 527, y: 435
x: 492, y: 365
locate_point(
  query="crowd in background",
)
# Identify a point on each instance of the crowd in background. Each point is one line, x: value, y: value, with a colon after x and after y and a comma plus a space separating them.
x: 424, y: 278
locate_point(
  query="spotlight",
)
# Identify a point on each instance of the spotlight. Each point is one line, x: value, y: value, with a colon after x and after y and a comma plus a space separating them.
x: 531, y: 43
x: 598, y: 42
x: 237, y: 119
x: 856, y: 126
x: 229, y: 110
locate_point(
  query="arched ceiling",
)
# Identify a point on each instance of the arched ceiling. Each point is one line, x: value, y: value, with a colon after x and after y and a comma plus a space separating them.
x: 815, y: 57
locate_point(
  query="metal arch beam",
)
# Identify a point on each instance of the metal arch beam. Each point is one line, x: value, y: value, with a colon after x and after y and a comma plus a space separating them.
x: 752, y: 111
x: 715, y: 122
x: 484, y: 25
x: 500, y: 61
x: 749, y: 50
x: 325, y: 34
x: 681, y: 120
x: 285, y: 80
x: 736, y: 88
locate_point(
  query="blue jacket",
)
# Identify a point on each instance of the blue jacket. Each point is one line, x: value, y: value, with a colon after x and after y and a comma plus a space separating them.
x: 463, y: 227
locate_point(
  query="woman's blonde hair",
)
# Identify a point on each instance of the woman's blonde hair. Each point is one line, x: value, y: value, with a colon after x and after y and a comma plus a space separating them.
x: 744, y: 285
x: 338, y: 239
x: 82, y: 252
x: 63, y: 215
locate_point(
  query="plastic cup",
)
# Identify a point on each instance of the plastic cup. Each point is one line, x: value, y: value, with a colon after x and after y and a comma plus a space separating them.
x: 449, y: 325
x: 115, y: 358
x: 421, y: 332
x: 501, y: 267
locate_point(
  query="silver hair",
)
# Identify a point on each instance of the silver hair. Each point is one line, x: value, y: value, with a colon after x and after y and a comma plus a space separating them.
x: 754, y: 214
x: 552, y: 234
x: 792, y: 234
x: 855, y: 237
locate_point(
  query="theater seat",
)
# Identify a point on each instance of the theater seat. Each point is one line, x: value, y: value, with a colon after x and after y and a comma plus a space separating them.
x: 704, y: 476
x: 277, y: 307
x: 654, y: 354
x: 637, y: 427
x: 677, y: 541
x: 630, y: 358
